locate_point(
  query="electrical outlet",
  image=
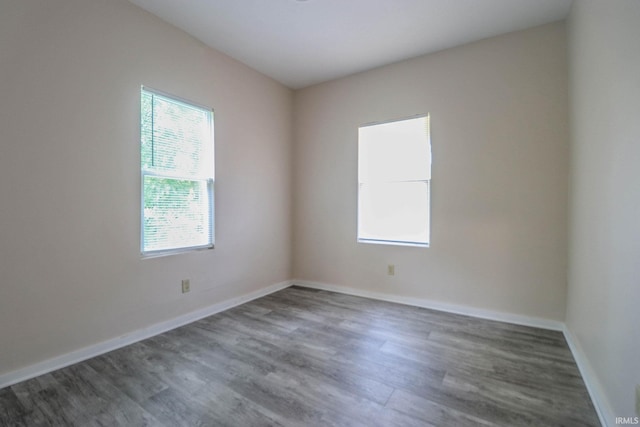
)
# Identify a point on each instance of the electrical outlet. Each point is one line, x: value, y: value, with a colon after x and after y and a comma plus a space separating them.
x: 391, y: 270
x: 186, y: 286
x: 638, y: 400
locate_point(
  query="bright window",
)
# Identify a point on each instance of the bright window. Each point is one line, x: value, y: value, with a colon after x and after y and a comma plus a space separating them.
x: 177, y: 174
x: 394, y: 176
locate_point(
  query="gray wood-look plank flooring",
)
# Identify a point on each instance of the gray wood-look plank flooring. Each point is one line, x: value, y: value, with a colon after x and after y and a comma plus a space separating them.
x: 303, y: 357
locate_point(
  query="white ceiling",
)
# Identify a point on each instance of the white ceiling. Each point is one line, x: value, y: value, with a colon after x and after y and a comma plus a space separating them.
x: 300, y: 43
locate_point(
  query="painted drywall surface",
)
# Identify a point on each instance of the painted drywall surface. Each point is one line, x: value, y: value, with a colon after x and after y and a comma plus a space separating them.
x: 499, y: 189
x: 71, y: 274
x: 603, y: 310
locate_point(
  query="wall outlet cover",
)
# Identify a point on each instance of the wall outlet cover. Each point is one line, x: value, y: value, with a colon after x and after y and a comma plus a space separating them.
x: 186, y: 286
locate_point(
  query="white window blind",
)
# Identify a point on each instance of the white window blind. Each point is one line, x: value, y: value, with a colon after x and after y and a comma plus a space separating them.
x: 177, y: 168
x: 394, y: 176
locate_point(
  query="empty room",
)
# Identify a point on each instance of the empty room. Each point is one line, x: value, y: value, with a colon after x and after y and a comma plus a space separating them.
x: 319, y: 212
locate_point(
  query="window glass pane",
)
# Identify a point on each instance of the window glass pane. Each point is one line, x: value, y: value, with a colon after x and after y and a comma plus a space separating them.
x: 395, y: 151
x: 176, y: 213
x: 179, y: 137
x: 396, y: 211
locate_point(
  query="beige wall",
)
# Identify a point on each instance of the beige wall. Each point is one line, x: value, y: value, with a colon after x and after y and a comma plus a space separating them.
x: 499, y: 191
x: 70, y: 270
x: 603, y: 311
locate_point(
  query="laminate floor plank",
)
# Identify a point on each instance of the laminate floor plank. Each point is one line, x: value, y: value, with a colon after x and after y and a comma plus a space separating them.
x: 303, y: 377
x: 128, y: 374
x: 303, y: 357
x: 432, y: 412
x: 11, y: 410
x: 323, y: 370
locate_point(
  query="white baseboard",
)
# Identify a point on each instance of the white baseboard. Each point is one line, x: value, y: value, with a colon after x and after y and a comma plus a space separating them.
x: 440, y: 306
x: 85, y: 353
x: 598, y: 397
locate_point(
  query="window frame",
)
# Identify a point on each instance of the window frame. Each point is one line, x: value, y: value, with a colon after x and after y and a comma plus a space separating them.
x: 209, y: 180
x: 394, y: 242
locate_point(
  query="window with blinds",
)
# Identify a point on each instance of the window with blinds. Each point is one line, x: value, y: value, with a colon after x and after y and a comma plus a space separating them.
x: 394, y: 177
x: 177, y: 174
